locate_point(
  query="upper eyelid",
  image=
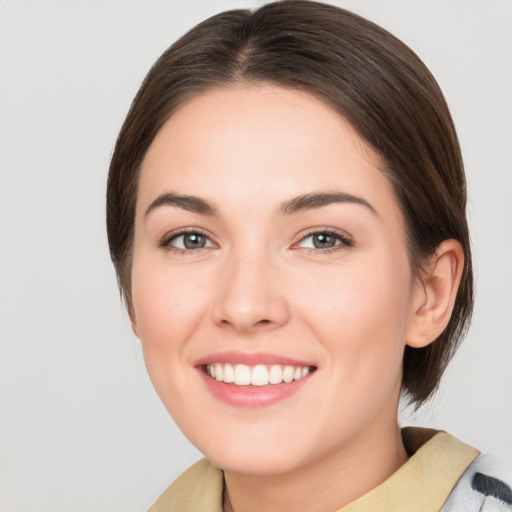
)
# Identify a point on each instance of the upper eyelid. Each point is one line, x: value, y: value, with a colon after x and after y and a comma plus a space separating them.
x: 171, y: 235
x: 320, y: 230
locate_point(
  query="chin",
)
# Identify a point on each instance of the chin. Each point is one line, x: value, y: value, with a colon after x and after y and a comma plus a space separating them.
x: 246, y: 450
x: 251, y: 463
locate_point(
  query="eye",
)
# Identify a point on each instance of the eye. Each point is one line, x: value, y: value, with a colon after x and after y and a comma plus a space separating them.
x: 185, y: 241
x: 324, y: 240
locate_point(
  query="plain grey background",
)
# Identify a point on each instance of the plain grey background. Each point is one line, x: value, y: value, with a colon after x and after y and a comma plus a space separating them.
x: 81, y: 427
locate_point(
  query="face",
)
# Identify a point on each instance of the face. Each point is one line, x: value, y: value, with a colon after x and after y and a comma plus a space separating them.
x: 271, y: 285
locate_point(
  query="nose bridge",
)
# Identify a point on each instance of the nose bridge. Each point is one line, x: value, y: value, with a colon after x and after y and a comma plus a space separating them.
x: 250, y: 296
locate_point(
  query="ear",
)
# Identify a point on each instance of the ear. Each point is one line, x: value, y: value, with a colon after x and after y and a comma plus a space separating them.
x: 435, y: 294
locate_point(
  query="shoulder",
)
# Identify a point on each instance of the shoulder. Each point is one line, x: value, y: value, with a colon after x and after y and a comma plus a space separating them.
x: 485, y: 486
x: 200, y: 487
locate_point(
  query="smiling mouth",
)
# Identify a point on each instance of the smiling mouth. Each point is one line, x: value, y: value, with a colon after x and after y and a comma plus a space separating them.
x: 257, y: 375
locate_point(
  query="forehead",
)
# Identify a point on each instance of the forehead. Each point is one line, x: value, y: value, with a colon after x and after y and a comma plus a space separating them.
x: 249, y: 141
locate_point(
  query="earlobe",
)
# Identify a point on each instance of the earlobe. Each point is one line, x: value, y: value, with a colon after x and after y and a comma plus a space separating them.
x: 435, y: 295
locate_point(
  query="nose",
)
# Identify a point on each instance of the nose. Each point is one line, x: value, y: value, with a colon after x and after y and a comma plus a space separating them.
x: 251, y: 296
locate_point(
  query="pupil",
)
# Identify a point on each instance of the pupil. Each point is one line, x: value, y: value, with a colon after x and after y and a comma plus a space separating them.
x: 322, y: 241
x: 194, y: 240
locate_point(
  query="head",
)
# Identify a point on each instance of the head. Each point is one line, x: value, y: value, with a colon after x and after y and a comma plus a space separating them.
x: 371, y: 80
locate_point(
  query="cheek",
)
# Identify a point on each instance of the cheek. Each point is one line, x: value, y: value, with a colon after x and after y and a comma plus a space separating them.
x: 165, y: 300
x: 361, y: 313
x: 168, y: 307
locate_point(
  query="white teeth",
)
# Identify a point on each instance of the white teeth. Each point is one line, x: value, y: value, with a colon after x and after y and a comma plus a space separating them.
x: 258, y: 375
x: 276, y: 375
x: 229, y: 374
x: 219, y: 372
x: 242, y: 375
x: 287, y: 373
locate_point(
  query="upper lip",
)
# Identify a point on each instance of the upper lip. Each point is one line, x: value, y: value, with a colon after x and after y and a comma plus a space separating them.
x: 250, y: 359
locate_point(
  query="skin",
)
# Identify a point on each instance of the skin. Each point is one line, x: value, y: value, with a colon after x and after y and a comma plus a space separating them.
x: 260, y: 285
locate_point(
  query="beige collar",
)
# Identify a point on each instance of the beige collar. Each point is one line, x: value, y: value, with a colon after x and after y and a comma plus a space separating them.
x: 425, y: 481
x: 422, y: 484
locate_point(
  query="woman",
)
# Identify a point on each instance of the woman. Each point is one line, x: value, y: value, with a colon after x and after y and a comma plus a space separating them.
x: 286, y: 214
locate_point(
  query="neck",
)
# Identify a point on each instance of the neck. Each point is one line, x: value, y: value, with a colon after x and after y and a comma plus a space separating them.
x: 326, y: 484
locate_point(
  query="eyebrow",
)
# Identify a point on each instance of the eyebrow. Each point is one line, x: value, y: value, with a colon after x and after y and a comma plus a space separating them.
x: 190, y: 203
x: 317, y: 200
x: 295, y: 205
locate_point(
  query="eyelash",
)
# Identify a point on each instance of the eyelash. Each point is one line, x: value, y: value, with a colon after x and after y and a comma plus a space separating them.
x: 165, y: 242
x: 344, y: 241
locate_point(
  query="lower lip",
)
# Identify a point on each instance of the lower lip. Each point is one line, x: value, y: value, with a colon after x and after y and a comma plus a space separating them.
x: 252, y: 396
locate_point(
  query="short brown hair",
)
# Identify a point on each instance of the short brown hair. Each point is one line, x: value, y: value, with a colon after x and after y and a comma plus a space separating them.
x: 371, y: 78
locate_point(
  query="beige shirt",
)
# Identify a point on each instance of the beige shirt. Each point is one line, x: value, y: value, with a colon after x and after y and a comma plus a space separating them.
x: 422, y: 484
